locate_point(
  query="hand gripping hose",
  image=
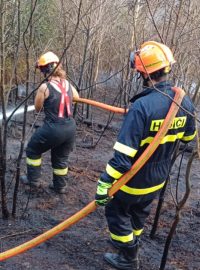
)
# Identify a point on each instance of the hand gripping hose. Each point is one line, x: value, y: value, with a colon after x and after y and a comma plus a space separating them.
x: 179, y: 94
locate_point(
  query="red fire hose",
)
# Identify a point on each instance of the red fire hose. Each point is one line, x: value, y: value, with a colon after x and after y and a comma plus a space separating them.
x: 179, y: 94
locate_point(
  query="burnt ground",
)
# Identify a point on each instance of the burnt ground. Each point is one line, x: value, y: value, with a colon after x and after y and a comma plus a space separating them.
x: 81, y: 247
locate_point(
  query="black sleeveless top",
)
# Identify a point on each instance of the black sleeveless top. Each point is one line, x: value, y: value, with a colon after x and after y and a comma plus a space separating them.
x: 52, y: 103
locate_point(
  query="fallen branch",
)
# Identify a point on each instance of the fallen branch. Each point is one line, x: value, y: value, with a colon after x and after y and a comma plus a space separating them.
x: 15, y: 234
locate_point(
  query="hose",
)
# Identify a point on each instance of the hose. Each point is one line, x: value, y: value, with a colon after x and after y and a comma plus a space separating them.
x: 179, y: 94
x: 100, y: 105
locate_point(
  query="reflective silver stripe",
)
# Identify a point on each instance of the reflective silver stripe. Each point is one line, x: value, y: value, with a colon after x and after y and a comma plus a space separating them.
x: 33, y: 162
x: 112, y: 172
x: 124, y: 149
x: 60, y: 171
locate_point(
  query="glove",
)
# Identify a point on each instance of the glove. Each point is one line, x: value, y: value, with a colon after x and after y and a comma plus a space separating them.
x: 102, y: 197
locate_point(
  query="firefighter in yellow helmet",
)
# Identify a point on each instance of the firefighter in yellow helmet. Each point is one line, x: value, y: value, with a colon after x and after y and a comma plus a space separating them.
x: 57, y: 134
x: 127, y: 211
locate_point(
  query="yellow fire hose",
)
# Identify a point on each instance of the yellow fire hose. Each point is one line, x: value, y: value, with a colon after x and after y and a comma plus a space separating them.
x: 179, y: 94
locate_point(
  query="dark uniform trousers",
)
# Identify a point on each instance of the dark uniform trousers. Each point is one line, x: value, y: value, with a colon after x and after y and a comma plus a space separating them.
x: 126, y: 220
x: 59, y: 137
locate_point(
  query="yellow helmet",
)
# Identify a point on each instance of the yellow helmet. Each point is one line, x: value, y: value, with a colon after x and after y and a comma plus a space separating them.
x: 152, y: 57
x: 47, y: 58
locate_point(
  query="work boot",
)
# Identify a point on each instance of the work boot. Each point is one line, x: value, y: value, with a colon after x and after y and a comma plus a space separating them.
x: 61, y: 190
x: 24, y: 180
x: 127, y: 259
x: 118, y: 245
x: 33, y: 176
x: 114, y: 243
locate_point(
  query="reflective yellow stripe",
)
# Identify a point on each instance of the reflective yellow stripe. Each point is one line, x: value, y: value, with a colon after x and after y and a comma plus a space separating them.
x: 123, y: 239
x: 33, y: 162
x: 147, y: 140
x: 60, y: 171
x: 104, y: 184
x: 141, y: 191
x: 112, y: 172
x: 178, y: 122
x: 124, y: 149
x: 168, y: 138
x: 189, y: 138
x: 102, y: 187
x: 137, y: 232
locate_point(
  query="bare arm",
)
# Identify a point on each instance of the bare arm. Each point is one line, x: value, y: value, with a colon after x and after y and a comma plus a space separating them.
x: 41, y: 95
x: 74, y: 92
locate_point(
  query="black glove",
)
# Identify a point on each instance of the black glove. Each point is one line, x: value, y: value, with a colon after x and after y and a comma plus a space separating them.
x: 102, y: 197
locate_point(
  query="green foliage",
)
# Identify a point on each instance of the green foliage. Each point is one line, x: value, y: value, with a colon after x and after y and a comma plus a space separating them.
x: 43, y: 22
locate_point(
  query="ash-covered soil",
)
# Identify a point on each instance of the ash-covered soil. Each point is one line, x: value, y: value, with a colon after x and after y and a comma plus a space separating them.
x: 81, y: 247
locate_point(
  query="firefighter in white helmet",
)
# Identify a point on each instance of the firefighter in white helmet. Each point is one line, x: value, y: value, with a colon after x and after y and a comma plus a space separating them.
x: 59, y: 129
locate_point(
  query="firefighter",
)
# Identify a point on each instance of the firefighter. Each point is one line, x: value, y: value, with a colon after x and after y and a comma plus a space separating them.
x: 127, y: 211
x: 58, y: 130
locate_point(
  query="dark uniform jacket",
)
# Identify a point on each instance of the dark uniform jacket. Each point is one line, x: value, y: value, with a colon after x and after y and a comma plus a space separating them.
x: 144, y: 118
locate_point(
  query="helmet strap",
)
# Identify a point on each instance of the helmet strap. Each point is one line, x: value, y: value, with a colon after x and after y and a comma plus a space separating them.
x: 145, y: 80
x: 47, y: 69
x: 138, y: 75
